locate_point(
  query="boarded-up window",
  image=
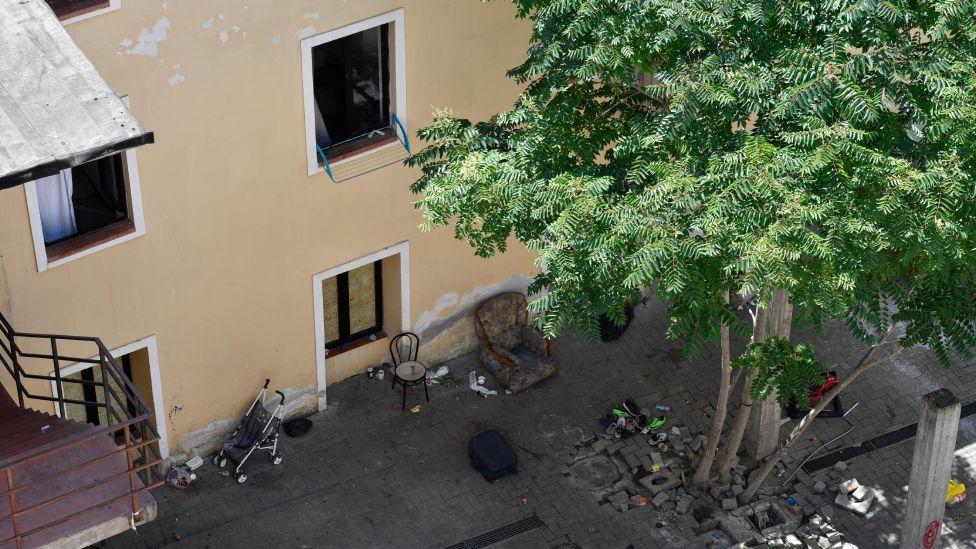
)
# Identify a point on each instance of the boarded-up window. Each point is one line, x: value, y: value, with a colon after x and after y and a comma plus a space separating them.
x: 352, y: 305
x: 66, y: 9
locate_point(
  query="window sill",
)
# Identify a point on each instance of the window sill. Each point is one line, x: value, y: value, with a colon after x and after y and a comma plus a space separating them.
x: 86, y: 13
x: 358, y: 147
x: 355, y: 344
x: 378, y: 153
x: 74, y: 246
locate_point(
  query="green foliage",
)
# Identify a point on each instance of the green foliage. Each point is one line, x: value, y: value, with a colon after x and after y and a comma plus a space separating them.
x: 825, y: 147
x: 779, y: 365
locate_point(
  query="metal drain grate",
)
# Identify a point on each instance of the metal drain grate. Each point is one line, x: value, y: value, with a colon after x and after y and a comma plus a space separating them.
x: 881, y: 441
x: 501, y: 534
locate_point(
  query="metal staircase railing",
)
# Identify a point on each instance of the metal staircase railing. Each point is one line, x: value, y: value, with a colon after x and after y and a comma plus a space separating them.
x: 128, y: 422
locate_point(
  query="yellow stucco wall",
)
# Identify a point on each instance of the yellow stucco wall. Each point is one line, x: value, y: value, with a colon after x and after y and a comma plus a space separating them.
x: 235, y: 227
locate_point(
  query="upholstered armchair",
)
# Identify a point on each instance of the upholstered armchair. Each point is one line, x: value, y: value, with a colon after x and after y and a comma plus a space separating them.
x: 512, y: 350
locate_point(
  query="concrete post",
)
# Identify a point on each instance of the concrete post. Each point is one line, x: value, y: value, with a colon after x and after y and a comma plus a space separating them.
x: 935, y: 445
x: 762, y: 436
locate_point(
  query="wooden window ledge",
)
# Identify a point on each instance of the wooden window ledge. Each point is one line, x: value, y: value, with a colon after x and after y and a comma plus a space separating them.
x: 90, y: 240
x: 355, y: 344
x: 69, y: 9
x: 360, y: 145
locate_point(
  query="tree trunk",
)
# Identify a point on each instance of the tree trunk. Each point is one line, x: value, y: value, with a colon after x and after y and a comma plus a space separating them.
x: 866, y: 362
x: 734, y: 439
x: 774, y: 321
x: 725, y: 388
x: 762, y: 433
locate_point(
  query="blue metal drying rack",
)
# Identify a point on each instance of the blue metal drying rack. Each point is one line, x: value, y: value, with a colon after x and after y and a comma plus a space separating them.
x: 394, y: 121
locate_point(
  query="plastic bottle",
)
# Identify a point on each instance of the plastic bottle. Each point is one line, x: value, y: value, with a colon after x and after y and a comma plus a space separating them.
x: 662, y: 408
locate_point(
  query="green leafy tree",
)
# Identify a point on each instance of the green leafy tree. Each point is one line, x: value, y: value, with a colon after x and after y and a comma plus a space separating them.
x: 820, y: 151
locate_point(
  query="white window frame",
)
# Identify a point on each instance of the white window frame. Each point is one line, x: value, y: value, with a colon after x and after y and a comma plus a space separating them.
x: 135, y: 207
x: 399, y: 77
x: 112, y: 6
x: 149, y: 344
x: 403, y: 250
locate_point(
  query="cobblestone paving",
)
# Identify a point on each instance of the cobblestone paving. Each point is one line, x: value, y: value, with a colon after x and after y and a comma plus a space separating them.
x: 371, y: 475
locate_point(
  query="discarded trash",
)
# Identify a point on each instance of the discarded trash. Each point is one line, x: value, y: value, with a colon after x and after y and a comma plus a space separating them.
x: 476, y: 384
x: 369, y: 372
x: 380, y: 373
x: 439, y: 373
x: 194, y: 463
x: 956, y: 492
x: 180, y: 477
x: 662, y: 408
x: 873, y: 510
x: 45, y: 428
x: 297, y: 427
x: 415, y: 409
x: 851, y: 495
x: 628, y: 419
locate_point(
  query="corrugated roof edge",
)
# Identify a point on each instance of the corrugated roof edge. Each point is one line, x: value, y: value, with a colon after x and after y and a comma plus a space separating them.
x: 55, y: 165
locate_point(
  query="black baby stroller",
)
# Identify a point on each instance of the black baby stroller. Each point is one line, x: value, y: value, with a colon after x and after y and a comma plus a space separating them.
x: 258, y: 431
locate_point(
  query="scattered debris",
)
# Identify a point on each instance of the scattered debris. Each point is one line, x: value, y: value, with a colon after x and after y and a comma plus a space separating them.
x: 415, y: 409
x: 851, y: 495
x: 956, y: 492
x: 627, y: 468
x: 435, y: 376
x: 180, y: 477
x: 660, y: 482
x: 477, y: 384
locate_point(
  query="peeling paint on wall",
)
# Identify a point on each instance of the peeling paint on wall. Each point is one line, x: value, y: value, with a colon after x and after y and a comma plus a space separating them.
x: 299, y: 402
x: 176, y: 79
x: 431, y: 321
x: 149, y: 40
x: 447, y: 330
x: 223, y: 36
x: 311, y: 15
x: 304, y: 33
x: 209, y: 23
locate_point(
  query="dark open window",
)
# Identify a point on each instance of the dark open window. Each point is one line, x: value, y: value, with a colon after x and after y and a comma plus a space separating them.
x: 65, y: 9
x: 353, y: 305
x: 84, y: 206
x: 99, y: 195
x: 351, y: 86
